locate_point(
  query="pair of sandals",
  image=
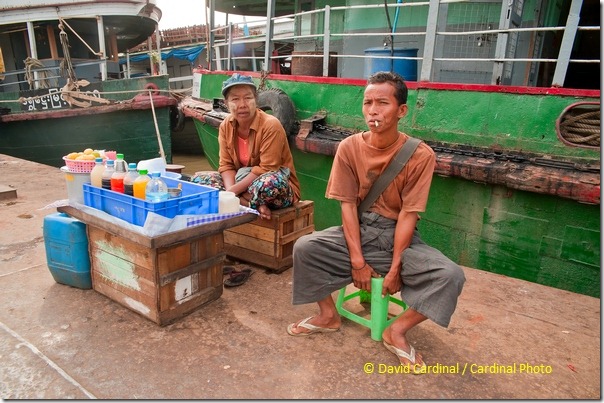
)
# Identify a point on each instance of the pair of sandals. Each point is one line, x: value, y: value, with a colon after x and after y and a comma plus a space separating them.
x: 236, y: 277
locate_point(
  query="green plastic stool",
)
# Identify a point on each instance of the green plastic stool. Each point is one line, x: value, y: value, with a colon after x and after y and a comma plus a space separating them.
x: 378, y: 320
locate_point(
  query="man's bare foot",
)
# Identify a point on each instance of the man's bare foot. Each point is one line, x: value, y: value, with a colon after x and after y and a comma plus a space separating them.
x: 264, y: 211
x: 304, y: 327
x: 394, y: 342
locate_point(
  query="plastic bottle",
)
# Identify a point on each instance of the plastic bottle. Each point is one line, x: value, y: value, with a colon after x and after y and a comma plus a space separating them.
x: 120, y: 163
x: 117, y: 178
x: 107, y: 174
x: 227, y: 202
x: 156, y: 190
x: 96, y: 175
x: 129, y: 179
x: 140, y: 184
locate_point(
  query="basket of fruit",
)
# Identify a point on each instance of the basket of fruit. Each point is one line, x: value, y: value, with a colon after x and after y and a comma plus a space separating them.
x: 81, y: 162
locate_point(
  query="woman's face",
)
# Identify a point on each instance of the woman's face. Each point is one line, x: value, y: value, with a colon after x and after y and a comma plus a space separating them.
x: 241, y: 101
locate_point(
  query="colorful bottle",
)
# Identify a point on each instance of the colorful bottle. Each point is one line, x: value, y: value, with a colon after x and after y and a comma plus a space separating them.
x: 107, y: 174
x: 96, y: 175
x: 156, y: 190
x: 117, y: 178
x: 129, y: 179
x: 140, y: 184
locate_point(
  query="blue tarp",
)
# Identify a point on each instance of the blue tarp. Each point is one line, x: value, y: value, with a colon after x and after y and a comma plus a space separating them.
x: 189, y: 53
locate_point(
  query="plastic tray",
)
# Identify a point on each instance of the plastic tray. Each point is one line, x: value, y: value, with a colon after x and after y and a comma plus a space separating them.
x: 195, y: 199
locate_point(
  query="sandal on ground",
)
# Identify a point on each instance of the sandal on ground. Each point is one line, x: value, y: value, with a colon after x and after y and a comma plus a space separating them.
x: 310, y: 327
x: 416, y: 369
x: 237, y: 278
x: 227, y: 270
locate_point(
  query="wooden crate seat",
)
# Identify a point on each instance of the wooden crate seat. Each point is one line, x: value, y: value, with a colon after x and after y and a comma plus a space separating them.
x: 270, y: 243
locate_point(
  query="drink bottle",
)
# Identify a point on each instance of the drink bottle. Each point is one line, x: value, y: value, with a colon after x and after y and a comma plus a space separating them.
x: 129, y: 179
x: 156, y: 190
x: 140, y: 184
x: 117, y: 178
x: 96, y: 175
x: 107, y: 174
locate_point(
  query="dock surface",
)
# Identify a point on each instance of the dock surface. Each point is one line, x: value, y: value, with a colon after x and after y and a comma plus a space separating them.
x: 508, y: 339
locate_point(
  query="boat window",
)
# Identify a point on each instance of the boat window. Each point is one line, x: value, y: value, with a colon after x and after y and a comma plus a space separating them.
x: 579, y: 125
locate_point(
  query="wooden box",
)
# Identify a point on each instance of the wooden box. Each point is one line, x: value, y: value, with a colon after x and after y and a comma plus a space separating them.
x: 161, y: 284
x: 270, y: 243
x: 162, y: 278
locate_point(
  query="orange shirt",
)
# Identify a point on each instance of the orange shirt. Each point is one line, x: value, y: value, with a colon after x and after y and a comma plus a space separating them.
x: 357, y: 165
x: 268, y: 148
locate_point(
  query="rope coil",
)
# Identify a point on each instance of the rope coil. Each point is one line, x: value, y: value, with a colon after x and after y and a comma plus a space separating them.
x: 580, y: 125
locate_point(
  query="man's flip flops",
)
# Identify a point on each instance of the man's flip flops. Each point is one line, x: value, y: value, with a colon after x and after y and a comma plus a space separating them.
x: 416, y: 369
x: 312, y: 329
x: 237, y: 278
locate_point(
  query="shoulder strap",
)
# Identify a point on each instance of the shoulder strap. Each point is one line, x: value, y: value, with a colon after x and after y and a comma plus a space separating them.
x: 395, y: 166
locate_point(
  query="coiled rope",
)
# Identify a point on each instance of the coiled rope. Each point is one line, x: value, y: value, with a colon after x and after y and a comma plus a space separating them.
x: 43, y: 75
x: 581, y: 125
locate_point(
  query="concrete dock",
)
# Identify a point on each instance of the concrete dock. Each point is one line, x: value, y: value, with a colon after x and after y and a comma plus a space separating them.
x: 509, y: 339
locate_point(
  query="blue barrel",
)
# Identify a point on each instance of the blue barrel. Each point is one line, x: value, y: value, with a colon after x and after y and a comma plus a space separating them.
x: 66, y: 246
x: 406, y: 68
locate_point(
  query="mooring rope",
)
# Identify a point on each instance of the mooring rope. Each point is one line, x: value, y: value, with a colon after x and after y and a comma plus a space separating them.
x: 66, y: 67
x: 31, y: 63
x: 581, y: 128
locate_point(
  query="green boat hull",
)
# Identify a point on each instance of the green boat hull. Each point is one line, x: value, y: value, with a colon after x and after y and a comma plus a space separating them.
x: 536, y: 237
x: 128, y: 131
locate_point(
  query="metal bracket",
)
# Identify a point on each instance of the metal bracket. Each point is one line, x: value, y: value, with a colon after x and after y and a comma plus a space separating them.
x: 306, y: 125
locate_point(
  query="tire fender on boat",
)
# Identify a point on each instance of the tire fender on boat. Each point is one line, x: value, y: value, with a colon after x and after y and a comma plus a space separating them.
x: 177, y: 119
x: 281, y: 105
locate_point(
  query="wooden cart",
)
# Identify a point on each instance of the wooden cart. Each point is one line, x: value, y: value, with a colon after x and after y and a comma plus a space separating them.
x: 162, y: 278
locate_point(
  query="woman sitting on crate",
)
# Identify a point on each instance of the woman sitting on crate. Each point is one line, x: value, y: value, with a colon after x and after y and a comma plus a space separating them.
x: 255, y: 160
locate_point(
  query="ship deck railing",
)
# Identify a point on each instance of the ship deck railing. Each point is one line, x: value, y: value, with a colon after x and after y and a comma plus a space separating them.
x: 502, y: 35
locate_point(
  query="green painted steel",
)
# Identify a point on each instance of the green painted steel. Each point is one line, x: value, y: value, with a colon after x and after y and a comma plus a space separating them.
x: 132, y: 131
x: 538, y: 238
x: 535, y: 237
x: 504, y: 121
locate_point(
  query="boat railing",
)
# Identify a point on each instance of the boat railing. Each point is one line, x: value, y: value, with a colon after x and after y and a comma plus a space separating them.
x: 45, y: 77
x: 482, y: 42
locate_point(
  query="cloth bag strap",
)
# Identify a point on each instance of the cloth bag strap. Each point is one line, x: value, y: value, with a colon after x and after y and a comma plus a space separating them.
x: 395, y: 166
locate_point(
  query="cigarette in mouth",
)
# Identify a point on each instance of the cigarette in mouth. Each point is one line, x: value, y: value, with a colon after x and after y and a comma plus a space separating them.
x: 376, y: 123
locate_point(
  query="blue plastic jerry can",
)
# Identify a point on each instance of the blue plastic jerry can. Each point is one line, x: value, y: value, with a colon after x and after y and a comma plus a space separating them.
x: 67, y: 255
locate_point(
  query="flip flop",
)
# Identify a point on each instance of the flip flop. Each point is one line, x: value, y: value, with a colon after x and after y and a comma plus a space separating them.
x: 416, y: 369
x: 237, y: 278
x: 312, y: 329
x: 227, y: 270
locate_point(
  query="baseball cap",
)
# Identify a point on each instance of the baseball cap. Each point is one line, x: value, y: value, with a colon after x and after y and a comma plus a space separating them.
x: 236, y: 79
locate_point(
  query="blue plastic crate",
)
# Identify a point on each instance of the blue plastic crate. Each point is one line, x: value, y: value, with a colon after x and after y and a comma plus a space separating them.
x: 195, y: 199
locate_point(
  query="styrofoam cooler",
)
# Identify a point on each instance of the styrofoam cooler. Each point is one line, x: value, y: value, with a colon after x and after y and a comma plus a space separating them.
x: 67, y: 255
x: 75, y: 183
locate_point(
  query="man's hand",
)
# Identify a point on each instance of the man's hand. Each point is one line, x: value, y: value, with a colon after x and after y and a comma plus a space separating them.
x: 361, y: 278
x: 392, y: 283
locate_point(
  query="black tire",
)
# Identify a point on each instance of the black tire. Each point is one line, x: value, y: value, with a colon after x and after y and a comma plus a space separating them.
x: 281, y: 105
x: 177, y: 119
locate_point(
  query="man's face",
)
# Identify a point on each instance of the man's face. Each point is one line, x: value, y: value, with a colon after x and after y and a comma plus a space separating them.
x: 380, y: 107
x: 242, y: 102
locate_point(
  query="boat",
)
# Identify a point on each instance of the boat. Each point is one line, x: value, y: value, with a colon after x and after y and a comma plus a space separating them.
x: 509, y: 101
x: 61, y: 87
